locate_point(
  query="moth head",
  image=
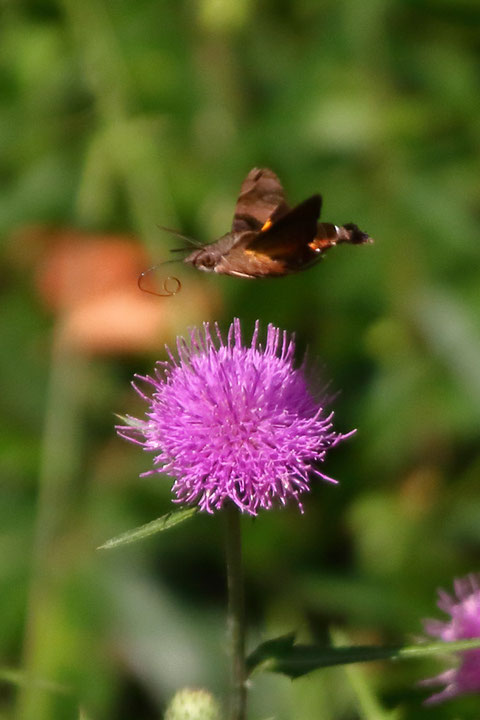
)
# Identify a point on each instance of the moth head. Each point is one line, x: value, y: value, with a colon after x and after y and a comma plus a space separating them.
x: 209, y: 257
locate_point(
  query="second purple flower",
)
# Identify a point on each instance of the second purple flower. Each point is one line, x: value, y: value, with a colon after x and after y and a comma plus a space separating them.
x: 234, y: 422
x: 463, y: 624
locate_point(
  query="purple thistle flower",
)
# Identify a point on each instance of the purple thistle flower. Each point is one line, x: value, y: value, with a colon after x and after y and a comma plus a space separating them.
x: 234, y: 422
x: 464, y: 610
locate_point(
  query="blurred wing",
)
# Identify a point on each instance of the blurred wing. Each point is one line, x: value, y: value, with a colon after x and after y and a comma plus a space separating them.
x: 261, y: 199
x: 291, y: 238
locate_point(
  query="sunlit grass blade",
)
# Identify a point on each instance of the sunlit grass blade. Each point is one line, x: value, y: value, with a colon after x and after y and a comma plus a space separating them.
x: 20, y: 679
x: 361, y: 683
x: 152, y: 528
x: 282, y: 655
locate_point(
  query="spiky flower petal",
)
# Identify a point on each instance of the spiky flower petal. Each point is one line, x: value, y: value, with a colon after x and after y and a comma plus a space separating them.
x: 234, y: 422
x: 464, y: 623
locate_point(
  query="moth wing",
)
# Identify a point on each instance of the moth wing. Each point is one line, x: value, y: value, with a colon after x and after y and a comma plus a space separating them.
x: 261, y: 198
x: 288, y: 238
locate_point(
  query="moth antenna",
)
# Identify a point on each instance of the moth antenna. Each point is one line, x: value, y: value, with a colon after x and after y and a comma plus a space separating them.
x: 191, y: 241
x: 167, y: 292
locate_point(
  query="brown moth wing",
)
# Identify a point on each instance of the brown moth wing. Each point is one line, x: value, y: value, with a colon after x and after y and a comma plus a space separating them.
x: 289, y: 239
x: 261, y: 198
x: 247, y: 263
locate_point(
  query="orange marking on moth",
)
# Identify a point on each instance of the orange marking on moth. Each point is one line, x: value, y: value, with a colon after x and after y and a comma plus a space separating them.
x: 258, y: 255
x: 266, y: 225
x: 321, y: 243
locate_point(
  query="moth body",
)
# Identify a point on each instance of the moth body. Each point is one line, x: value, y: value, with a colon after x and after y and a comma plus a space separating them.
x: 269, y: 239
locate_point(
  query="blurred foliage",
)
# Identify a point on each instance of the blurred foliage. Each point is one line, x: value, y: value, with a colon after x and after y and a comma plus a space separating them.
x: 119, y: 116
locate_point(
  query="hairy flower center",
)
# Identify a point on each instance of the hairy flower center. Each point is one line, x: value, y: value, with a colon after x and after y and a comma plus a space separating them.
x: 235, y: 422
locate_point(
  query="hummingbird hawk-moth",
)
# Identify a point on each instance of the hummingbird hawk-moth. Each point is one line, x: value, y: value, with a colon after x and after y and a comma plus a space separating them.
x: 268, y: 238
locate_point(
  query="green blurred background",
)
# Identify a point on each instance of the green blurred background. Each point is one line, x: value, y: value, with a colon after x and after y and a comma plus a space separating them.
x: 118, y: 116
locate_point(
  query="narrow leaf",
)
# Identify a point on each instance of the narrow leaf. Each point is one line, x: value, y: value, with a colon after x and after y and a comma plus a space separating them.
x: 282, y: 655
x: 437, y: 648
x: 131, y: 421
x: 152, y: 528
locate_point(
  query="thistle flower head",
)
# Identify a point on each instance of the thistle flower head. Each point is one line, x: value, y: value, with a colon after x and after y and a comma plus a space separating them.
x: 234, y: 422
x: 193, y: 704
x: 464, y: 623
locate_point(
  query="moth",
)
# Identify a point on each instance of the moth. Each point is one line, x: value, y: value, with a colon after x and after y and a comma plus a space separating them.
x: 268, y: 238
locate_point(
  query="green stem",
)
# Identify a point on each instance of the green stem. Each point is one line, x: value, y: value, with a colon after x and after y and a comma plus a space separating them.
x: 60, y: 460
x: 236, y: 614
x: 128, y: 141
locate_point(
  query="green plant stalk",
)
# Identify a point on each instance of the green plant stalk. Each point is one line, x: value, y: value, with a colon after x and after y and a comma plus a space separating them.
x: 236, y: 614
x: 59, y: 463
x: 126, y: 144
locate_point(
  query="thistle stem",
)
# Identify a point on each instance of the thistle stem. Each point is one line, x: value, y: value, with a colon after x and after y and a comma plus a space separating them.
x: 236, y: 613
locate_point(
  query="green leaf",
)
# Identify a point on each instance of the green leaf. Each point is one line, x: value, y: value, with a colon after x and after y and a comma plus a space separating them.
x: 152, y: 528
x: 436, y: 648
x: 131, y: 421
x: 282, y: 655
